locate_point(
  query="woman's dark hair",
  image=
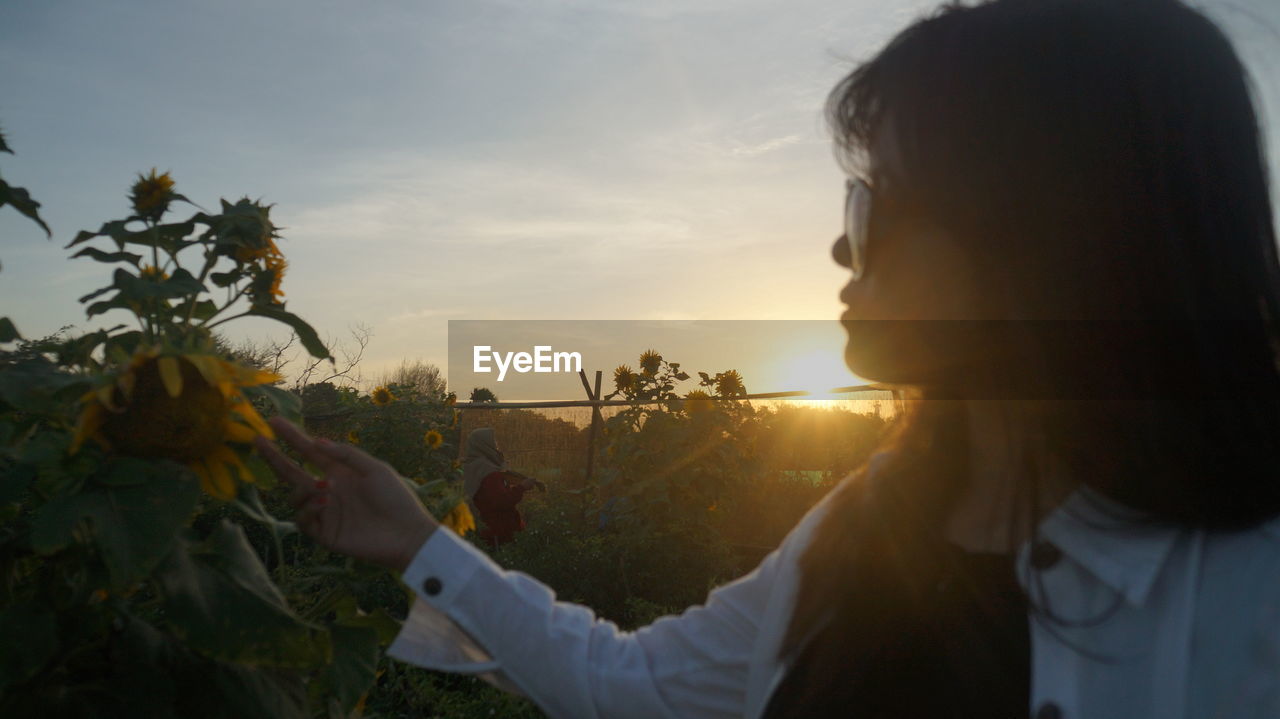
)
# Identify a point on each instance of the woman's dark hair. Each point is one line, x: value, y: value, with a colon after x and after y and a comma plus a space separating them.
x: 1100, y: 161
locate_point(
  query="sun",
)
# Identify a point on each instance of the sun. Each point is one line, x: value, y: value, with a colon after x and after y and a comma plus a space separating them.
x: 817, y: 372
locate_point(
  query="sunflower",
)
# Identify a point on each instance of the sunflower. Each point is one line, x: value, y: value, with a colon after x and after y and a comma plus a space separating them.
x: 382, y: 396
x: 650, y: 361
x: 623, y: 378
x: 187, y: 408
x: 151, y: 194
x: 151, y: 272
x: 459, y: 519
x: 264, y: 248
x: 275, y: 267
x: 698, y: 402
x: 433, y: 439
x: 729, y: 384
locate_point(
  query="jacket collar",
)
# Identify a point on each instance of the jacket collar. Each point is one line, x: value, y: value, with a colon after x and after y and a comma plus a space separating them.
x: 1112, y: 542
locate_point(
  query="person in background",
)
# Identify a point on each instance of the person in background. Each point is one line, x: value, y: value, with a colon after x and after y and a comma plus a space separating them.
x: 492, y: 489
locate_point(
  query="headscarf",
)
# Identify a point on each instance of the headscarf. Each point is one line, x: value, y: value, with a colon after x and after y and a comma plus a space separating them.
x: 480, y: 461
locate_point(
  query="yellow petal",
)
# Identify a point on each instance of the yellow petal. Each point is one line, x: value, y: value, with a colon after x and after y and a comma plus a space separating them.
x: 245, y: 411
x: 105, y: 397
x: 208, y: 368
x: 87, y: 426
x: 215, y: 479
x: 233, y: 458
x: 250, y: 376
x: 237, y: 432
x: 171, y: 375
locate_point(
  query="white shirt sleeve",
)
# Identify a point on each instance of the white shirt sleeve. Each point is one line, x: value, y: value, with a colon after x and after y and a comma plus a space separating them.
x: 472, y: 616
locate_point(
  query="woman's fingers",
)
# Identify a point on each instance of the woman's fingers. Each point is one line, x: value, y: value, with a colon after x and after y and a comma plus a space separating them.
x: 350, y: 456
x: 299, y: 440
x: 308, y: 518
x: 299, y: 479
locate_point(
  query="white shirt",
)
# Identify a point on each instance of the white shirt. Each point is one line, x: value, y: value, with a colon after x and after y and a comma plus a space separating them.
x: 1171, y: 623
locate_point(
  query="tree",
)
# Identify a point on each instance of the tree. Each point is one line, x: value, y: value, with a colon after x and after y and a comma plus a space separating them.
x: 483, y: 394
x: 420, y: 378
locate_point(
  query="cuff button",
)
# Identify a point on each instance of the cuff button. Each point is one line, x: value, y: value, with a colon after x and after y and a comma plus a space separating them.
x: 432, y: 586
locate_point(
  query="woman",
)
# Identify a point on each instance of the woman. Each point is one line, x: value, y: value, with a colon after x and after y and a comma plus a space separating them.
x: 492, y: 489
x: 1061, y: 239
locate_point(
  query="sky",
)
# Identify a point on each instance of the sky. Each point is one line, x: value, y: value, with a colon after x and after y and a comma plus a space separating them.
x: 464, y: 159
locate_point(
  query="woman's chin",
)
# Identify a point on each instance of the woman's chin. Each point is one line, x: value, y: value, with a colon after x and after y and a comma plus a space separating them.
x: 891, y: 352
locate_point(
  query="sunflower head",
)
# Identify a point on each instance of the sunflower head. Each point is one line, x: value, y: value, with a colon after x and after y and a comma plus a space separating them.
x: 264, y: 289
x: 151, y: 194
x: 624, y: 378
x: 433, y: 439
x: 459, y: 519
x: 650, y: 361
x: 729, y: 384
x: 698, y: 402
x: 382, y: 396
x: 153, y: 273
x: 187, y: 408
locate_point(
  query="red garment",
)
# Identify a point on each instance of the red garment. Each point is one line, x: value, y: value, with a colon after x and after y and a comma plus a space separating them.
x: 496, y: 502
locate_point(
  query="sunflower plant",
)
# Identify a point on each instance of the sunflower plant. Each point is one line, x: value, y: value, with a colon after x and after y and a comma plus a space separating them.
x: 417, y: 433
x: 143, y: 574
x: 669, y: 460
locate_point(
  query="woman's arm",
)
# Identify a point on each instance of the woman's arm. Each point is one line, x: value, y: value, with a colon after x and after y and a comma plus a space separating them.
x: 471, y: 616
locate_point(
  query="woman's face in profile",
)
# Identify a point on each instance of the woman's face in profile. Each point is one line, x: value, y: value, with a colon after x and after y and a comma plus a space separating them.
x: 917, y: 282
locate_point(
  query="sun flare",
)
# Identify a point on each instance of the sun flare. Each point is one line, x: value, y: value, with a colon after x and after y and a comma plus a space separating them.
x: 817, y: 372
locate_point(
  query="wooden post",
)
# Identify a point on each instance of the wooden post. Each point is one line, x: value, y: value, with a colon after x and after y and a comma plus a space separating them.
x: 595, y: 422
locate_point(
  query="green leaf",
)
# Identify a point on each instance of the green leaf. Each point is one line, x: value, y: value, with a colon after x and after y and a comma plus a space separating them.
x: 133, y: 526
x: 39, y: 386
x: 205, y: 309
x: 310, y: 340
x: 14, y: 482
x: 96, y: 293
x: 287, y: 404
x: 155, y: 676
x: 385, y: 625
x: 124, y: 343
x: 116, y: 230
x: 30, y: 641
x: 219, y: 600
x: 222, y: 279
x: 21, y: 201
x: 78, y: 350
x: 8, y: 332
x: 261, y: 473
x: 97, y: 308
x: 101, y: 256
x: 355, y: 663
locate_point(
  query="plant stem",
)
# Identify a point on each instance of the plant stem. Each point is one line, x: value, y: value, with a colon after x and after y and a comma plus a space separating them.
x: 205, y: 323
x: 209, y: 260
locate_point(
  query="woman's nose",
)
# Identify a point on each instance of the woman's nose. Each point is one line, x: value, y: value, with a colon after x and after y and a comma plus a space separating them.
x: 840, y: 252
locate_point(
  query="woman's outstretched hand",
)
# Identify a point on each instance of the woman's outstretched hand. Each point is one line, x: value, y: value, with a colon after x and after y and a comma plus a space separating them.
x: 359, y: 506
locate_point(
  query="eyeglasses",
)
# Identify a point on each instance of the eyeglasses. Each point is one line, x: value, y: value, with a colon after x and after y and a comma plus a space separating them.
x: 857, y: 222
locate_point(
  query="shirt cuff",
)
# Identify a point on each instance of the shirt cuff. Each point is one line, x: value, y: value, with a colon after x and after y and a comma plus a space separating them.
x: 443, y: 566
x: 429, y: 637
